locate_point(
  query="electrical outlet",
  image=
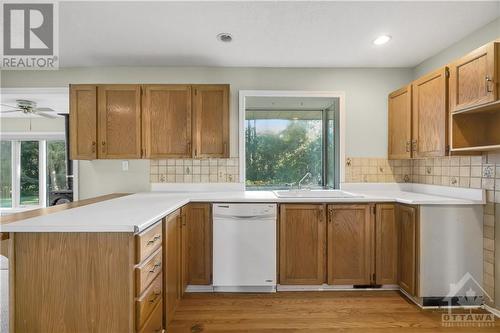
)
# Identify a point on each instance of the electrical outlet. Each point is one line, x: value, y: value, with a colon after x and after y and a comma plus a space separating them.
x: 124, y: 165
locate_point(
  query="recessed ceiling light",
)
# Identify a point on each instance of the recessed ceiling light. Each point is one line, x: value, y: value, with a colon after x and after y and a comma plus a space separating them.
x: 381, y: 40
x: 225, y: 37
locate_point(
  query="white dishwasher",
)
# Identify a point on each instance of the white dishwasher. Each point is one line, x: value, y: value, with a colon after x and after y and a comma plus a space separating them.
x: 244, y: 247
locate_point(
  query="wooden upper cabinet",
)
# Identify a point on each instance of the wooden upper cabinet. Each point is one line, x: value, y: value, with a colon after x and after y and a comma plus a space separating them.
x: 386, y: 245
x: 83, y: 122
x: 302, y: 244
x: 430, y: 114
x: 167, y: 121
x: 349, y: 245
x: 119, y: 110
x: 474, y: 78
x: 199, y: 242
x: 399, y: 145
x: 407, y: 216
x: 211, y: 120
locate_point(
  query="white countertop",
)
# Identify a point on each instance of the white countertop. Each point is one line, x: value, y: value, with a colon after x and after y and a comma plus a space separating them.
x: 136, y: 212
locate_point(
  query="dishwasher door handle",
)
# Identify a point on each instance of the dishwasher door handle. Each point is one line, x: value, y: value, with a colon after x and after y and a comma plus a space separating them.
x: 238, y: 217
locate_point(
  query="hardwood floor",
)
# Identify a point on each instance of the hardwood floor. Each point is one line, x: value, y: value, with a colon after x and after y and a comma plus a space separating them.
x: 352, y: 312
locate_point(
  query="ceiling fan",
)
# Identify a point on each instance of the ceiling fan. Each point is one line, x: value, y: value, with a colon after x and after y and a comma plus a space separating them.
x: 29, y: 108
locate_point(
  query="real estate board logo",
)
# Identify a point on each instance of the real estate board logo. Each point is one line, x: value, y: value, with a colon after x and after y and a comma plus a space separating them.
x: 30, y: 36
x: 469, y: 295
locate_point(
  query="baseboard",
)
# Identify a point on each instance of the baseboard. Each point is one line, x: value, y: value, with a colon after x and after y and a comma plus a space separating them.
x: 199, y: 289
x: 244, y: 289
x: 326, y: 287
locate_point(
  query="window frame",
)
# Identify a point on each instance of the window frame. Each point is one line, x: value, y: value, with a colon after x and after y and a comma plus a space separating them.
x: 16, y: 138
x: 243, y: 94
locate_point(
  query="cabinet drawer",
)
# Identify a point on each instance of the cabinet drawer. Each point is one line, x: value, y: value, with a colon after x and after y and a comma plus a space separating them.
x: 148, y: 301
x: 147, y: 271
x: 154, y: 323
x: 148, y: 241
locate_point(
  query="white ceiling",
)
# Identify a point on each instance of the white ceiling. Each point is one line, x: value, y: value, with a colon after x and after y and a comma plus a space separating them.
x: 267, y: 34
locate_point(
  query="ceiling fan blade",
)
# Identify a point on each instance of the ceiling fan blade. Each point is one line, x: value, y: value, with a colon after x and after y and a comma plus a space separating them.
x: 46, y: 115
x: 10, y: 106
x: 44, y: 109
x: 11, y: 111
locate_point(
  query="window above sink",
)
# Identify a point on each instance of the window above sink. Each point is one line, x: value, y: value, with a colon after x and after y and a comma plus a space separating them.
x: 287, y: 135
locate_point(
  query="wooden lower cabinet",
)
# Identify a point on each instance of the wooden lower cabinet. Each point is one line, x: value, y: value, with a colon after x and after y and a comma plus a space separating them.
x: 199, y: 243
x: 386, y: 244
x: 302, y: 244
x: 93, y: 276
x: 172, y: 268
x: 349, y: 244
x: 408, y: 248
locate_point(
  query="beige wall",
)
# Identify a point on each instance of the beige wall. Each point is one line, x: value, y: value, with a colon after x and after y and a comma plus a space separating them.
x: 365, y: 89
x: 479, y: 37
x: 37, y: 125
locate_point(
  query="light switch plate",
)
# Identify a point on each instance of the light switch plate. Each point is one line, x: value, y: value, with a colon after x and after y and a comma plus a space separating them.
x: 124, y: 165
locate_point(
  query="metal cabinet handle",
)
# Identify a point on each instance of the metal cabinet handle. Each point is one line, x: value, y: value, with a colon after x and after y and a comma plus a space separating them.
x: 155, y: 296
x: 487, y: 86
x: 408, y: 146
x: 414, y: 145
x: 189, y: 146
x: 103, y: 146
x: 154, y: 239
x: 152, y: 270
x: 94, y: 146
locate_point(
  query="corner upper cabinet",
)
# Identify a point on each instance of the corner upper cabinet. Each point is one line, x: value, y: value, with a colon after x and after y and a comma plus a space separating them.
x: 167, y: 121
x: 83, y: 121
x: 399, y: 145
x: 119, y: 111
x: 474, y: 78
x: 211, y: 120
x: 302, y: 244
x: 430, y: 114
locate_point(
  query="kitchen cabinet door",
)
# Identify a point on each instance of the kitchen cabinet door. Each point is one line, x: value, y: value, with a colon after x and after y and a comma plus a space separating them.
x: 172, y: 265
x: 430, y: 114
x: 349, y: 244
x: 83, y: 122
x: 407, y: 216
x: 211, y: 120
x: 199, y: 239
x: 166, y: 121
x: 399, y: 145
x: 302, y: 244
x: 474, y: 78
x: 119, y: 110
x: 386, y: 245
x: 184, y: 253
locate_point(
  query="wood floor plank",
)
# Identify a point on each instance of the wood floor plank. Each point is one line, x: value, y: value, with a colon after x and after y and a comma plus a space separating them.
x: 350, y: 312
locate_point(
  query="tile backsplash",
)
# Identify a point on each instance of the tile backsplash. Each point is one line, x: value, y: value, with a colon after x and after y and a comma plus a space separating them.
x: 211, y: 170
x: 460, y: 171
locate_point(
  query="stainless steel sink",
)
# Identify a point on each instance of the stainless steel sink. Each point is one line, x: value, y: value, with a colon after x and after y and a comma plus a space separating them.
x: 315, y: 194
